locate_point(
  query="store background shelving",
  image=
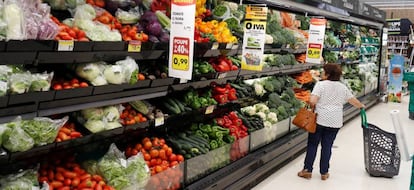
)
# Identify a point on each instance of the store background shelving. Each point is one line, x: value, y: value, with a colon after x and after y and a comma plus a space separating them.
x: 262, y: 157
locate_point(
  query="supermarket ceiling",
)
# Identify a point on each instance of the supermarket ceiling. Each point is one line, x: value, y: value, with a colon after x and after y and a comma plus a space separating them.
x: 391, y: 4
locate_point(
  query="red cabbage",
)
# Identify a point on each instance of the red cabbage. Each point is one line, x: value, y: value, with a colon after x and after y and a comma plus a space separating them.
x: 154, y: 28
x: 153, y: 38
x: 165, y: 37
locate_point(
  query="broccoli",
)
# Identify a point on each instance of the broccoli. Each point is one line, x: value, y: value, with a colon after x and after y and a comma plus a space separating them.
x: 282, y: 114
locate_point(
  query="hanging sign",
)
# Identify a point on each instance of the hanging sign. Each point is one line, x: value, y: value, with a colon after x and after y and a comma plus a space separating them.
x: 316, y: 39
x: 181, y: 39
x: 395, y: 78
x: 254, y: 37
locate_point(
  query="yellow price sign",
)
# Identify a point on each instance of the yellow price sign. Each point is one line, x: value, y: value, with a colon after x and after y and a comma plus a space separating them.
x: 66, y: 45
x: 314, y: 51
x: 134, y: 46
x: 180, y: 62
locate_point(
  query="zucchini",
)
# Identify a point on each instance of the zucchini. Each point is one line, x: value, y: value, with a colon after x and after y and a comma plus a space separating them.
x: 200, y: 140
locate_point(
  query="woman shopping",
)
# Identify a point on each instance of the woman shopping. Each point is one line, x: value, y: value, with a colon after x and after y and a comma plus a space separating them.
x: 328, y: 97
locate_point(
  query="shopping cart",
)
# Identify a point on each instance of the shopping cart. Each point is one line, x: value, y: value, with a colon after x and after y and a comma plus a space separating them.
x: 381, y: 153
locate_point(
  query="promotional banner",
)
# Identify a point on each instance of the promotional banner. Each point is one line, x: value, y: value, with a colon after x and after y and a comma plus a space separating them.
x: 395, y: 78
x: 181, y: 39
x: 254, y: 37
x: 316, y: 39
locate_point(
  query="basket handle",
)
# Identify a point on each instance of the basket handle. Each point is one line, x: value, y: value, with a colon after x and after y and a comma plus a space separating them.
x: 364, y: 118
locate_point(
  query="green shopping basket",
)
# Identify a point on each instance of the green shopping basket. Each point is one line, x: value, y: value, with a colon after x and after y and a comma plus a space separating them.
x: 381, y: 153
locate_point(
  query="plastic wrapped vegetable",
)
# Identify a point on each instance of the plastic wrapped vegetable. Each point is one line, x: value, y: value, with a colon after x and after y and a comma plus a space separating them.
x: 41, y: 82
x: 24, y: 180
x: 114, y: 74
x: 93, y: 113
x: 111, y: 113
x: 14, y: 18
x: 15, y: 139
x: 43, y: 130
x: 95, y: 126
x: 19, y: 83
x: 129, y: 68
x: 128, y: 17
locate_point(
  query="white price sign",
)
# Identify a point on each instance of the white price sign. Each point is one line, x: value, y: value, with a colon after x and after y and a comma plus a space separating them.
x: 316, y: 39
x: 182, y: 39
x: 66, y: 45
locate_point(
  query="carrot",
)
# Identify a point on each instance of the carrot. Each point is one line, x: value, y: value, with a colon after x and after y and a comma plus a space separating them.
x: 286, y: 19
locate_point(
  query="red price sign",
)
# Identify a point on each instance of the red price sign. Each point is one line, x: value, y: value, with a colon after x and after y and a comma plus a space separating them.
x: 180, y: 54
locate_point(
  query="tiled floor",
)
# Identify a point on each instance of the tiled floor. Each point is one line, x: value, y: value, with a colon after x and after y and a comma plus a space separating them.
x: 347, y: 163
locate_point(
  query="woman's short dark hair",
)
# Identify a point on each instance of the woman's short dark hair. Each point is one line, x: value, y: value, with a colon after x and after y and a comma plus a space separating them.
x: 333, y: 72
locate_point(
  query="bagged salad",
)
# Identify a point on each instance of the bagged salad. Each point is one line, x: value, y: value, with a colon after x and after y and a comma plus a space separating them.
x: 23, y: 180
x: 15, y: 139
x: 119, y: 172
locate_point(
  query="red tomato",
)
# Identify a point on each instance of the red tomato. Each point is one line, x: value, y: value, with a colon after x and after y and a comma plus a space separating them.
x: 59, y: 177
x: 180, y: 158
x: 69, y: 174
x: 75, y: 182
x: 81, y: 34
x: 56, y: 184
x: 67, y: 87
x: 57, y: 87
x: 74, y: 80
x: 83, y: 84
x: 72, y: 33
x: 173, y: 157
x: 67, y: 182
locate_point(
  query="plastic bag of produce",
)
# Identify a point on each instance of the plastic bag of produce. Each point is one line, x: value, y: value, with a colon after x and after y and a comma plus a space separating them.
x: 14, y: 18
x: 43, y: 130
x: 128, y: 17
x: 93, y: 72
x: 130, y: 69
x: 24, y: 180
x: 112, y: 113
x: 114, y: 74
x: 41, y: 82
x: 19, y: 83
x: 3, y: 128
x: 122, y: 173
x: 15, y: 139
x: 3, y: 24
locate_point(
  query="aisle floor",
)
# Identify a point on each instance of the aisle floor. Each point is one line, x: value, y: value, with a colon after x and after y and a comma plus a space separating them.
x: 347, y: 163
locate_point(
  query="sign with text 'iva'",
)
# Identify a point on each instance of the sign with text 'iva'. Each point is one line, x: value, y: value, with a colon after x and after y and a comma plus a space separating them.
x: 316, y: 39
x: 181, y: 39
x: 254, y: 37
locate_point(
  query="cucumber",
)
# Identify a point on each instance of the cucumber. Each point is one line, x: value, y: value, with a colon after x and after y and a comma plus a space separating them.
x: 173, y: 103
x: 179, y: 104
x: 200, y: 140
x: 170, y: 108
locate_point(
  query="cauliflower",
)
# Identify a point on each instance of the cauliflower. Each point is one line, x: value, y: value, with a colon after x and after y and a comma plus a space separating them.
x: 261, y: 115
x: 261, y: 108
x: 272, y: 117
x: 267, y: 124
x: 258, y: 89
x: 249, y: 110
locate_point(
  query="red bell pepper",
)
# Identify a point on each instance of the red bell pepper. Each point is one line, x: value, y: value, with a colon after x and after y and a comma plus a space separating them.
x: 221, y: 98
x: 232, y: 95
x: 220, y: 90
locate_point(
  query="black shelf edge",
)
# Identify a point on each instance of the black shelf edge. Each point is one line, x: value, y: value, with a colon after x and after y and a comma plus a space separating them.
x: 80, y: 106
x: 9, y: 118
x: 17, y: 58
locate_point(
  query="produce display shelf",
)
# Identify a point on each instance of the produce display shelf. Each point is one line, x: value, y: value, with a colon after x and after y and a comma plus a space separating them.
x: 17, y: 58
x: 75, y: 104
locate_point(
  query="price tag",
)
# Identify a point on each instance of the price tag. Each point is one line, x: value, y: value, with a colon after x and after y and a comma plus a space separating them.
x: 215, y: 45
x: 222, y: 75
x: 229, y: 45
x: 159, y: 121
x: 235, y: 46
x: 66, y: 45
x: 210, y: 109
x: 134, y: 46
x: 314, y: 51
x: 182, y: 81
x: 123, y: 163
x: 180, y: 62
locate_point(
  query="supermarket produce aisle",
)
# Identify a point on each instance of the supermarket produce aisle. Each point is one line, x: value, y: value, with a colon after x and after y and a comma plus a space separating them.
x: 347, y: 164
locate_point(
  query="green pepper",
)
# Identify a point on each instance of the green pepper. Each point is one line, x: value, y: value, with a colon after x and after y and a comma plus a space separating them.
x: 220, y: 129
x: 216, y: 135
x: 194, y: 127
x: 203, y: 101
x: 204, y: 69
x: 213, y: 144
x: 205, y: 128
x: 195, y: 104
x: 229, y: 138
x: 220, y: 142
x: 212, y: 101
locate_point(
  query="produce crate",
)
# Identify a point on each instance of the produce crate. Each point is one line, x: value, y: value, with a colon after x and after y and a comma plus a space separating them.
x: 4, y: 156
x: 172, y: 178
x: 109, y: 46
x: 283, y: 127
x: 73, y: 93
x: 202, y: 165
x: 31, y: 97
x: 31, y: 45
x: 239, y: 148
x: 34, y: 152
x: 262, y: 137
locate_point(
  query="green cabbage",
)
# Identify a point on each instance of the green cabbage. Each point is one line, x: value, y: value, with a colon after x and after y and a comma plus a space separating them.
x: 93, y: 113
x: 112, y: 125
x: 114, y: 75
x: 25, y: 180
x: 95, y: 126
x: 111, y: 113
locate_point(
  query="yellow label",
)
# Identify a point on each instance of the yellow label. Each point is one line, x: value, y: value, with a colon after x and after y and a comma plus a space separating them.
x: 314, y: 53
x: 256, y: 13
x: 134, y: 46
x: 66, y: 45
x: 159, y: 121
x: 180, y: 62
